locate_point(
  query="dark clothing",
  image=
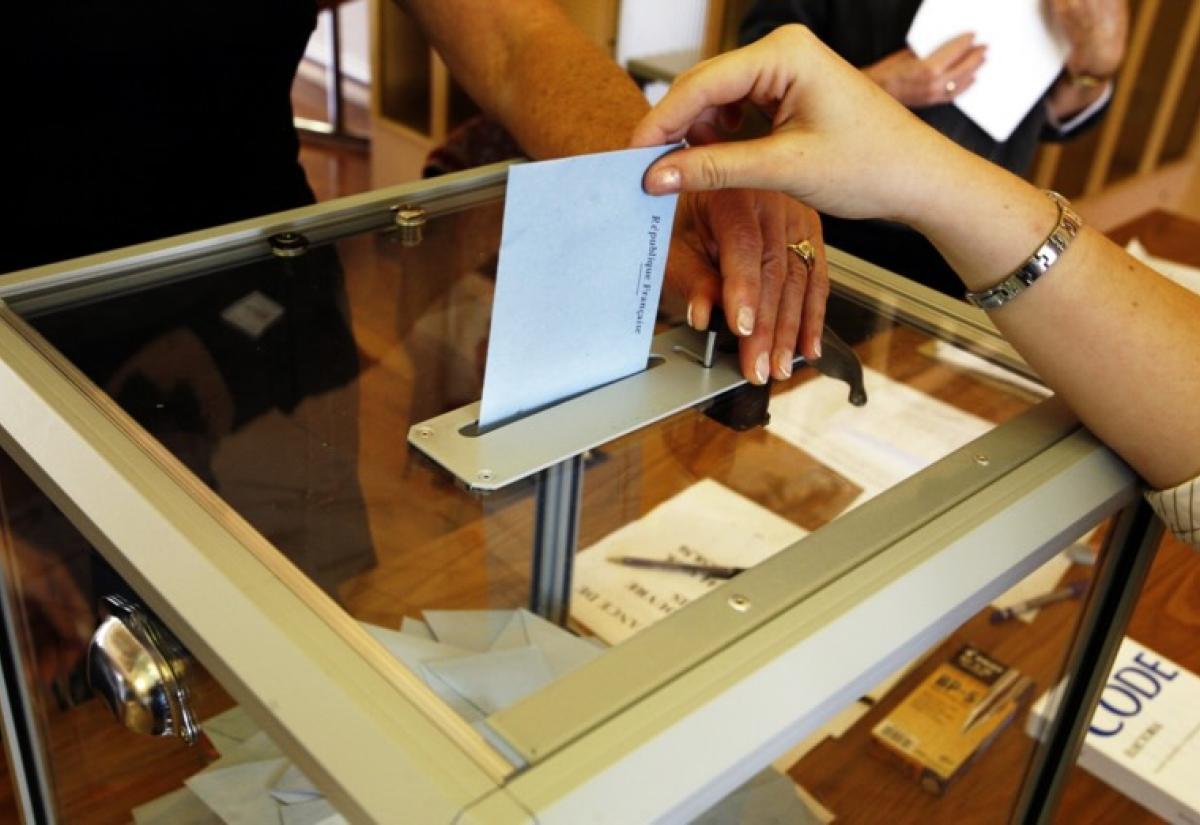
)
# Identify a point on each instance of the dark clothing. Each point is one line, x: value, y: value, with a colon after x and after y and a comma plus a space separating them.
x: 150, y: 119
x: 864, y: 32
x: 142, y: 119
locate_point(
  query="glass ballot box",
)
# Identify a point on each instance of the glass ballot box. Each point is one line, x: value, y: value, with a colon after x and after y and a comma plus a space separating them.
x: 261, y: 564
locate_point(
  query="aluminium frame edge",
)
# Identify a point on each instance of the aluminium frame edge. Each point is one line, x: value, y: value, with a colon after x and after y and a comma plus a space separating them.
x: 754, y: 697
x: 926, y: 309
x: 91, y: 277
x: 274, y: 650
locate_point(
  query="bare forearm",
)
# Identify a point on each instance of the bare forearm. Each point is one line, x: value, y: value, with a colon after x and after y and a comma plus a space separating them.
x: 527, y: 65
x: 1116, y: 340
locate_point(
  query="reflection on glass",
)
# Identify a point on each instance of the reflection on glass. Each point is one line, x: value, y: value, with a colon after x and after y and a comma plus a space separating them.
x: 288, y: 388
x: 99, y: 771
x: 290, y: 385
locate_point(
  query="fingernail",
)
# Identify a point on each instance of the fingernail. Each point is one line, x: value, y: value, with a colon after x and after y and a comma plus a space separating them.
x: 817, y: 347
x: 689, y: 316
x: 664, y: 179
x: 745, y: 321
x: 784, y: 362
x: 760, y: 368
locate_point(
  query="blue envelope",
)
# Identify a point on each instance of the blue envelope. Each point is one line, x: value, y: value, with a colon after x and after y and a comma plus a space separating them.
x: 581, y: 267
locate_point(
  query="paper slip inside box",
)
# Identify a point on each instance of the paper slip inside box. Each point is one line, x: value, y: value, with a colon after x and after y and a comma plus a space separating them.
x: 582, y: 257
x: 1025, y: 54
x: 705, y: 524
x: 478, y: 661
x: 898, y: 433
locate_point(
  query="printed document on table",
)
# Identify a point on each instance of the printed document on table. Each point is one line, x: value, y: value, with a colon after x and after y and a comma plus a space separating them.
x: 705, y: 524
x: 582, y: 257
x: 897, y: 433
x: 1025, y: 53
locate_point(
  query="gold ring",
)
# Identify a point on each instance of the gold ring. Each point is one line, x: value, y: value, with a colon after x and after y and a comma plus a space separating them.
x: 950, y: 87
x: 806, y: 251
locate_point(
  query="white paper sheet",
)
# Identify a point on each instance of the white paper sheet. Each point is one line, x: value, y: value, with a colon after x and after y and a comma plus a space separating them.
x: 897, y: 433
x: 582, y: 255
x: 768, y: 798
x: 293, y: 787
x: 707, y: 523
x: 252, y: 782
x: 497, y: 679
x: 970, y: 362
x: 477, y: 631
x: 226, y: 731
x: 240, y: 794
x: 481, y: 661
x: 316, y: 812
x: 181, y: 807
x: 497, y: 658
x: 1025, y: 54
x: 1182, y: 274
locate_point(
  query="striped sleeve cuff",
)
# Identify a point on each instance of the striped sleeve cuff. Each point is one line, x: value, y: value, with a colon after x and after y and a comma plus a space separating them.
x: 1179, y: 507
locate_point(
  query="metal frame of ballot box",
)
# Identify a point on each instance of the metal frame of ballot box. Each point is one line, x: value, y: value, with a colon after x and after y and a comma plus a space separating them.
x: 614, y: 740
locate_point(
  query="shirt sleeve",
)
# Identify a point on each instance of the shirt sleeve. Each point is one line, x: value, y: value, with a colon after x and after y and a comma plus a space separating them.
x: 1179, y: 507
x: 1077, y: 122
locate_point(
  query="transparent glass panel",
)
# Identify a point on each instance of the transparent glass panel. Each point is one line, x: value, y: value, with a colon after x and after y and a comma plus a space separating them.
x: 850, y: 771
x: 99, y: 771
x: 289, y: 385
x: 1156, y: 712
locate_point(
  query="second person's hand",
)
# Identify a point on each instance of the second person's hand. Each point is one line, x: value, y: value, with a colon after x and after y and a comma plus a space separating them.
x: 730, y: 248
x: 936, y: 79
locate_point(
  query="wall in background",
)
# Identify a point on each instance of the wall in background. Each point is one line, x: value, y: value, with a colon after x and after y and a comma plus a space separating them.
x: 356, y: 50
x: 659, y: 27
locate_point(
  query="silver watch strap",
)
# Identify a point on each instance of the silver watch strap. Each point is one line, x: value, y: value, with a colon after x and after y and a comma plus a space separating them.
x: 1039, y: 263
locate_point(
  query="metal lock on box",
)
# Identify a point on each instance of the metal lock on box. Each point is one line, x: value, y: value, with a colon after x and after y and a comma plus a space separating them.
x: 142, y: 671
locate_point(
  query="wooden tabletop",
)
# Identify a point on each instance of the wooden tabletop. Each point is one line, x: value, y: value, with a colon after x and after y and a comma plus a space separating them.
x: 1165, y: 235
x: 858, y: 786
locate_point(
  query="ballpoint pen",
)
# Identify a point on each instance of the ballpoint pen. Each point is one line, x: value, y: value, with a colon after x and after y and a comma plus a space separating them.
x: 1071, y: 591
x: 716, y: 571
x: 1011, y: 684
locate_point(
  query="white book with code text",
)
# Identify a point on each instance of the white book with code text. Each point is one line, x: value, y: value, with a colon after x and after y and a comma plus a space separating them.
x: 1144, y: 738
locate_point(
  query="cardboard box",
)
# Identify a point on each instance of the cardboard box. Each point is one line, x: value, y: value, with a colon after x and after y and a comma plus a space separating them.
x: 951, y: 717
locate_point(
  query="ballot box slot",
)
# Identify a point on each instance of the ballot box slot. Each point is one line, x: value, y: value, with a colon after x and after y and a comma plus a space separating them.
x: 548, y: 444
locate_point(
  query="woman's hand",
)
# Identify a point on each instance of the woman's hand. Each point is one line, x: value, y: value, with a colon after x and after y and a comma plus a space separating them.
x: 1096, y: 30
x: 939, y: 78
x: 839, y: 143
x: 730, y: 248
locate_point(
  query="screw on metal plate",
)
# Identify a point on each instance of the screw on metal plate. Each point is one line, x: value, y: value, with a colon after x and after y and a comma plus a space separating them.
x: 981, y: 459
x: 424, y: 432
x: 288, y: 245
x: 739, y: 603
x: 410, y: 221
x: 484, y: 475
